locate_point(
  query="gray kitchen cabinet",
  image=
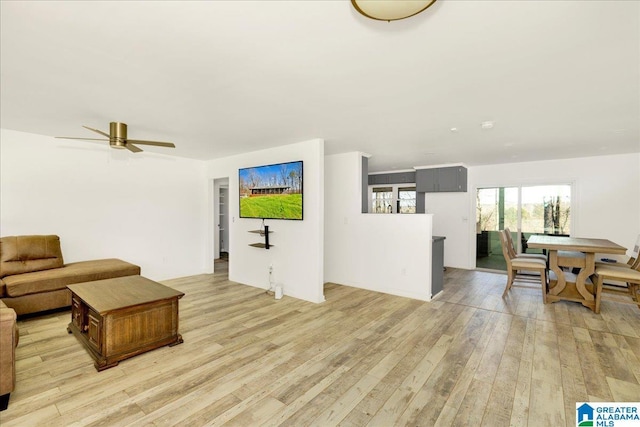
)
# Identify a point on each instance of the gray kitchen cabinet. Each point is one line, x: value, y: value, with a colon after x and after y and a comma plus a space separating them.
x: 452, y: 179
x: 392, y: 178
x: 448, y: 179
x: 382, y: 178
x: 426, y: 180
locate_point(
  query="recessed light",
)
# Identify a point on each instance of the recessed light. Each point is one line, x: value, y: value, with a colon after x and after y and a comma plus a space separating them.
x: 454, y: 129
x: 486, y: 125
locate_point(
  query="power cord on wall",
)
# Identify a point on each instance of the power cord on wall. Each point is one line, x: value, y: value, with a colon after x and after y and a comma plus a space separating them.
x: 271, y: 290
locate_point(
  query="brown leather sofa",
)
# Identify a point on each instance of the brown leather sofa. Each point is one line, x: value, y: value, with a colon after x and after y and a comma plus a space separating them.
x: 34, y: 278
x: 8, y: 343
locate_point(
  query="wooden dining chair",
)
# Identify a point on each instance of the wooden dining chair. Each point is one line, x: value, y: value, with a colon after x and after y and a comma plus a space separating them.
x: 512, y: 249
x: 632, y: 262
x: 516, y: 265
x: 618, y: 294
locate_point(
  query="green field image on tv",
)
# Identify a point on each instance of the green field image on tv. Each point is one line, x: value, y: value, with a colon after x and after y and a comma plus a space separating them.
x: 272, y: 206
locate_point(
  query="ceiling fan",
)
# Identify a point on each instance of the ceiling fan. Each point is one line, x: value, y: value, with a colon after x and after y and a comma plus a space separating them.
x: 117, y: 138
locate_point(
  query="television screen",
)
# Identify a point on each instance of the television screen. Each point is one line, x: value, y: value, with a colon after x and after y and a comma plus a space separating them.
x: 271, y: 191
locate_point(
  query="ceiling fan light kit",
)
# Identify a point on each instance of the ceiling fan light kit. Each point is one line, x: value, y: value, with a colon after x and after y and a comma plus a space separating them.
x: 390, y: 10
x: 117, y: 138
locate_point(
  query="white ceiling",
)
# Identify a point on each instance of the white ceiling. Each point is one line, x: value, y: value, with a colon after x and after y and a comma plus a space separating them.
x: 559, y: 78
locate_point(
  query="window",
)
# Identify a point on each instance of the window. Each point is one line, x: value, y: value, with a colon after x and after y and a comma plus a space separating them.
x: 406, y: 200
x: 540, y: 209
x: 393, y: 199
x: 382, y: 200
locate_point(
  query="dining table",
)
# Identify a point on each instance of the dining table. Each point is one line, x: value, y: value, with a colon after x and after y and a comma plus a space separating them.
x: 565, y: 255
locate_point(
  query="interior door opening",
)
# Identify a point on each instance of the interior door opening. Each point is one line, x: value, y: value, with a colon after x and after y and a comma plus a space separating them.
x: 223, y: 222
x: 221, y: 232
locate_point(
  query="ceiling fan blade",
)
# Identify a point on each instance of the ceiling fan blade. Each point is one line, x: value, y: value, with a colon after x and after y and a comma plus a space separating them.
x: 84, y: 139
x: 132, y: 147
x: 157, y: 143
x: 97, y: 131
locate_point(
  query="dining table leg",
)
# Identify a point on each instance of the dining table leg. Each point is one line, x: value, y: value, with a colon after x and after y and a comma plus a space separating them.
x: 561, y: 282
x: 581, y: 280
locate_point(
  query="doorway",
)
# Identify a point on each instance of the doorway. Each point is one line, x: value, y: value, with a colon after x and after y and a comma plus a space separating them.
x: 223, y: 222
x: 221, y: 219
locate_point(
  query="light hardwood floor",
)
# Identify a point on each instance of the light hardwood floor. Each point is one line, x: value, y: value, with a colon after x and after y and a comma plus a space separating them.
x: 361, y: 358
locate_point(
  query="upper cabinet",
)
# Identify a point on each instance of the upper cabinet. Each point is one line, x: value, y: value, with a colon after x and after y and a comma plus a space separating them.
x: 392, y: 178
x: 432, y: 180
x: 426, y: 180
x: 382, y: 178
x: 448, y: 179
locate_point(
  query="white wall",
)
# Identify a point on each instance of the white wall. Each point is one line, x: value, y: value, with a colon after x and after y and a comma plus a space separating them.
x: 384, y: 253
x: 297, y: 252
x: 606, y: 200
x: 145, y: 208
x: 451, y: 219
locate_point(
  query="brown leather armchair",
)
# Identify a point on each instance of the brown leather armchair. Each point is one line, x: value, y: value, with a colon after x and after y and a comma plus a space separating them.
x: 8, y: 343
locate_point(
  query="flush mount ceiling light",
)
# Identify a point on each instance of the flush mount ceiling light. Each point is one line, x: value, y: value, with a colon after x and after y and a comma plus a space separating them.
x: 390, y: 10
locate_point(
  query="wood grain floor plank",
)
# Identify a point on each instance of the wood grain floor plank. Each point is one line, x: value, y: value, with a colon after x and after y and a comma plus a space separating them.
x: 547, y: 404
x: 254, y: 416
x: 360, y: 358
x: 413, y: 382
x: 497, y: 411
x: 436, y: 325
x: 471, y: 410
x: 522, y: 394
x: 633, y: 358
x: 104, y: 414
x: 450, y: 380
x: 41, y: 416
x: 546, y: 357
x: 573, y: 387
x: 624, y: 391
x: 304, y: 398
x: 200, y: 412
x: 593, y: 372
x: 613, y: 362
x: 490, y: 360
x: 345, y: 404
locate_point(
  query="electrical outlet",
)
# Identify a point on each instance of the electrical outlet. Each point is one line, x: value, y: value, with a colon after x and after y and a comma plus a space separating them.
x: 270, y: 268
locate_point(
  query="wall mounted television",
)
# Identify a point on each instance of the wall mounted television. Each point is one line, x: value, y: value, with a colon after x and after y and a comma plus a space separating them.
x: 272, y: 191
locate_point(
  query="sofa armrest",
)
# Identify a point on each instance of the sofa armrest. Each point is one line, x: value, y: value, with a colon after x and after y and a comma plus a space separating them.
x: 8, y: 343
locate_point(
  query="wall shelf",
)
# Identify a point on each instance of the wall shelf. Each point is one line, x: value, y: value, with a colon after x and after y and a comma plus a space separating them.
x: 260, y: 245
x: 264, y: 233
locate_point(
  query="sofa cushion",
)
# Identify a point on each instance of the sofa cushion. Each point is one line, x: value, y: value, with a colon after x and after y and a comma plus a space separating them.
x: 24, y: 254
x: 59, y: 278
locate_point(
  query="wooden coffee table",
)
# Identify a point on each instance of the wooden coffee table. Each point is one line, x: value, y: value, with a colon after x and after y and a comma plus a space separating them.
x: 119, y: 318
